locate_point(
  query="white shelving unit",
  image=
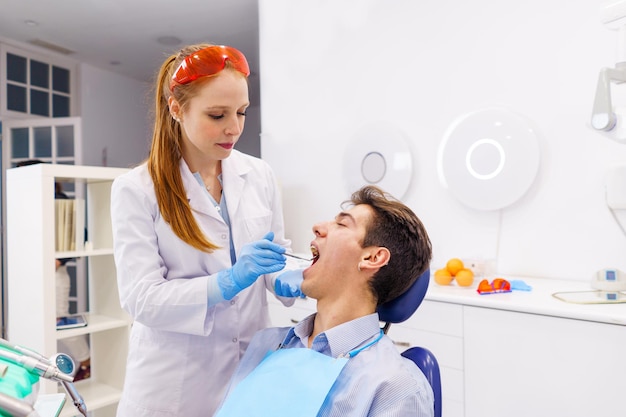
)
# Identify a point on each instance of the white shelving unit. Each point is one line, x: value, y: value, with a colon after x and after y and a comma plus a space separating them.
x: 31, y: 277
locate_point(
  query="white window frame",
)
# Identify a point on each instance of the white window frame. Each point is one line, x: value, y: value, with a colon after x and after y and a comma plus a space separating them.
x: 52, y: 60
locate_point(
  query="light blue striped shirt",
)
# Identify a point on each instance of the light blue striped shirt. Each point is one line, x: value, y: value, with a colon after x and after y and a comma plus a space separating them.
x: 375, y: 383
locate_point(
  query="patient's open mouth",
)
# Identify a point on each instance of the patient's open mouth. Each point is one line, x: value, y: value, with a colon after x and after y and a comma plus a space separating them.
x: 315, y: 253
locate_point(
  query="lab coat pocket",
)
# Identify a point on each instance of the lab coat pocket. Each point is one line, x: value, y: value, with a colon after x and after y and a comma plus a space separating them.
x: 258, y: 226
x: 150, y: 359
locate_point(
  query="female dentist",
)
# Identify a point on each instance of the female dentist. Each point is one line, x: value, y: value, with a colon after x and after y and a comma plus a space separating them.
x: 194, y: 228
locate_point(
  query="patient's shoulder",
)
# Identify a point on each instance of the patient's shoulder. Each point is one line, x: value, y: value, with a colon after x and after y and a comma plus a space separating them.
x: 269, y: 337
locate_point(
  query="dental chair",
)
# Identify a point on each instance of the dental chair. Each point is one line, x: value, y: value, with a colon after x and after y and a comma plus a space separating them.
x: 399, y: 310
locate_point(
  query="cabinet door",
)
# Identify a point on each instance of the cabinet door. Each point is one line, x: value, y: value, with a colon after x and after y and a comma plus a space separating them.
x: 519, y: 364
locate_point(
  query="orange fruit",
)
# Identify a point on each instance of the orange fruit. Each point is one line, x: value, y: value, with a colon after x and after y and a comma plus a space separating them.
x: 465, y: 277
x: 454, y: 265
x: 443, y: 277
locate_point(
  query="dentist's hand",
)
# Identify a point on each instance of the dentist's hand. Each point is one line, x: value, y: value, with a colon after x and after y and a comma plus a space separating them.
x: 288, y: 284
x: 256, y: 258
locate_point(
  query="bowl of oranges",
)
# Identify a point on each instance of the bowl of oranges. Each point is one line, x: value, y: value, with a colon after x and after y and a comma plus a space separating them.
x: 455, y: 270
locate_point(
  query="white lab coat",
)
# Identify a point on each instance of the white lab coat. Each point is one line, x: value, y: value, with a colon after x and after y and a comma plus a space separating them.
x: 181, y: 352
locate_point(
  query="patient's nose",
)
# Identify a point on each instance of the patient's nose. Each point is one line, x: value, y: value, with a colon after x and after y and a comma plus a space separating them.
x: 319, y: 229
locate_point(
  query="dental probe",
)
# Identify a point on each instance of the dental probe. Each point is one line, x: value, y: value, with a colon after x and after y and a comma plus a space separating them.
x: 297, y: 257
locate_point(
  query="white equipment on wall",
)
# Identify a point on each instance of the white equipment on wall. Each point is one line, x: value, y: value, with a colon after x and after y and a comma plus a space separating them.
x: 489, y: 158
x: 611, y: 120
x: 606, y: 118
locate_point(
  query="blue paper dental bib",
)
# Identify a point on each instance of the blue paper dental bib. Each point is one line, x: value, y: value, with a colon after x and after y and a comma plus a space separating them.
x: 288, y: 382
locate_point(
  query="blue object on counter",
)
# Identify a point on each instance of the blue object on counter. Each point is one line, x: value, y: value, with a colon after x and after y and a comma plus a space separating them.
x: 519, y: 285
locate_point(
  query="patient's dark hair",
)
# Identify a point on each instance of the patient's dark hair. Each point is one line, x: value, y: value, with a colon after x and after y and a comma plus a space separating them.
x: 397, y: 228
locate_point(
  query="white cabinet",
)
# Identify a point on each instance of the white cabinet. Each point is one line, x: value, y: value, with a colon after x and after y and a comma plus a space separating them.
x: 31, y: 277
x: 526, y: 353
x: 520, y: 364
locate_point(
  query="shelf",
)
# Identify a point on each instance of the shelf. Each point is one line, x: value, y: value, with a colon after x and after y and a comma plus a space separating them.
x: 83, y: 253
x: 75, y: 172
x: 95, y: 323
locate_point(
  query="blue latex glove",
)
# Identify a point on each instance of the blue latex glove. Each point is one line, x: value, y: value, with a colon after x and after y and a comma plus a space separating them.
x: 256, y: 258
x: 288, y: 284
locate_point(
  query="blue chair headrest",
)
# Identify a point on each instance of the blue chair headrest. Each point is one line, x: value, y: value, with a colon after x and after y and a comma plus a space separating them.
x: 402, y: 307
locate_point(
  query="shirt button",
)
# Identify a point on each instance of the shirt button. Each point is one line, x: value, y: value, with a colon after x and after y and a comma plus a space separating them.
x: 224, y: 237
x: 234, y: 340
x: 232, y: 302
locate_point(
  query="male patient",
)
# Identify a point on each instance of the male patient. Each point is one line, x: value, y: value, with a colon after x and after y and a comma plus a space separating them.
x: 337, y: 362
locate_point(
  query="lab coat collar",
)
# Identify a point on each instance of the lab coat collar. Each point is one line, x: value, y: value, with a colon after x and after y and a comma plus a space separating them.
x: 234, y: 170
x: 198, y: 201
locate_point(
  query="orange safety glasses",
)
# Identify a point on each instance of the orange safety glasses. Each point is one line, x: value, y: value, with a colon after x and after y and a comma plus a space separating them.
x: 208, y: 61
x: 497, y: 285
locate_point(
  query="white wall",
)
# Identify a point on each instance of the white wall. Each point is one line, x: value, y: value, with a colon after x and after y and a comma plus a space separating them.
x: 116, y: 118
x: 329, y: 68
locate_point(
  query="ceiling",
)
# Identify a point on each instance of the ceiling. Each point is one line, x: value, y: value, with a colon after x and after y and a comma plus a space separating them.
x: 122, y: 35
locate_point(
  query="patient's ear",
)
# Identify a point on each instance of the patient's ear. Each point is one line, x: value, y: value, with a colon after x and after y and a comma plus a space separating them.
x: 376, y: 257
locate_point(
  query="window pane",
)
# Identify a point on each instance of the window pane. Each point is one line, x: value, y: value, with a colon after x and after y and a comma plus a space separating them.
x: 60, y: 80
x: 19, y: 142
x: 16, y: 68
x: 39, y: 103
x: 16, y: 98
x: 39, y: 74
x: 43, y: 141
x: 65, y: 141
x: 60, y: 106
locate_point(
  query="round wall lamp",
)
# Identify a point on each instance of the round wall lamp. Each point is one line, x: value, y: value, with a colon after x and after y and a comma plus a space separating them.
x: 488, y: 158
x: 379, y: 154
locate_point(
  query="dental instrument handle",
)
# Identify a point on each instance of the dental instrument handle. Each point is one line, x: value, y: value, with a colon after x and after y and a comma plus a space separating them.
x: 41, y: 368
x: 297, y: 257
x: 24, y: 351
x: 78, y: 401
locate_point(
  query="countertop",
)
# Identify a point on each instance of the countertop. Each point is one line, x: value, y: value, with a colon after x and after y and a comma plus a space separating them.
x: 539, y: 300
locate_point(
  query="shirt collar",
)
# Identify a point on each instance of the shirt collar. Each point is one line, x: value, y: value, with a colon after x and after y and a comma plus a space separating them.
x: 340, y: 339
